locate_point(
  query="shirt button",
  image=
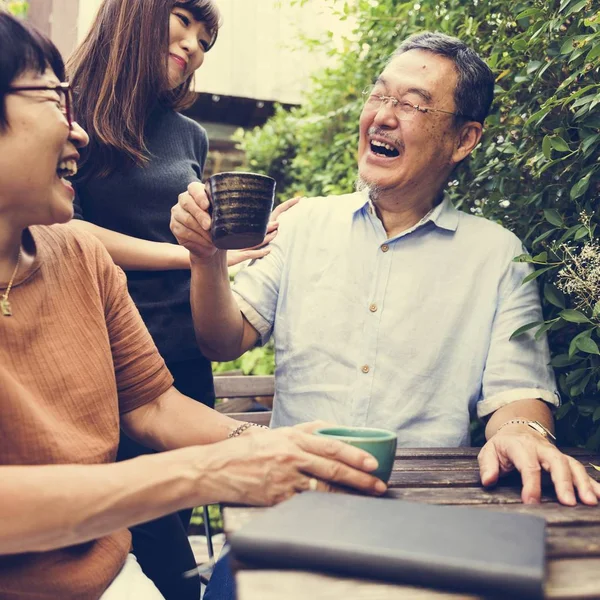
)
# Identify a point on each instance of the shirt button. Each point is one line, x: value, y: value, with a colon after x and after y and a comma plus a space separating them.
x: 373, y: 308
x: 385, y: 248
x: 365, y: 369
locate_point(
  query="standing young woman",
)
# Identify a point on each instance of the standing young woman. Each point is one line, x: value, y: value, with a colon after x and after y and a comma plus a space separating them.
x: 131, y: 75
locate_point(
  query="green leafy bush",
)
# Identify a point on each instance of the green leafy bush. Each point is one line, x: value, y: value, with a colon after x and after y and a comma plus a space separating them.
x: 537, y: 171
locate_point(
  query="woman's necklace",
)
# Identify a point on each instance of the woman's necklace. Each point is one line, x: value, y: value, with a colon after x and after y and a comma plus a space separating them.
x: 4, y: 303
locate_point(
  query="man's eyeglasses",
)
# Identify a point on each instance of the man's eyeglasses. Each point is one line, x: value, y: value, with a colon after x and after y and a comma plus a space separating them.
x: 64, y: 96
x: 404, y: 110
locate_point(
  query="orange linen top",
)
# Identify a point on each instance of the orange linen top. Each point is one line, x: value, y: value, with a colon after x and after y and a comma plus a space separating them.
x: 74, y: 355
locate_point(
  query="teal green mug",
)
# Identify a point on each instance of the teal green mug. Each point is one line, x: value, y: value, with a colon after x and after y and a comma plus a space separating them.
x: 381, y: 443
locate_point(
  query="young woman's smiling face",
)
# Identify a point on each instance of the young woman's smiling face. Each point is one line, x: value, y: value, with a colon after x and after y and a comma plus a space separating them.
x: 37, y: 149
x: 189, y: 40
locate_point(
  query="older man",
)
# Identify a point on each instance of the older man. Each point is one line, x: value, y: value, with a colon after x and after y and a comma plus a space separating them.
x: 389, y: 307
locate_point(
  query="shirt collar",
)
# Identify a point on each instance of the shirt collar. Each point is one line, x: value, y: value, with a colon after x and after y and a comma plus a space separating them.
x: 359, y: 201
x: 444, y: 215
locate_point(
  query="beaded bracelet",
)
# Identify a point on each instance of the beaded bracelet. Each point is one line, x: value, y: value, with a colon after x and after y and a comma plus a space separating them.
x: 246, y: 425
x: 513, y: 422
x: 535, y: 425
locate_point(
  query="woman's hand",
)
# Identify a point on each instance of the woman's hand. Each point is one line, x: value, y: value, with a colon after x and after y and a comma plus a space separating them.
x: 235, y: 257
x: 266, y: 469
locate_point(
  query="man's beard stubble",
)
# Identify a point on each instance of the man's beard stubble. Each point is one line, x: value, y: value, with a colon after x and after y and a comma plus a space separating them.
x: 373, y: 190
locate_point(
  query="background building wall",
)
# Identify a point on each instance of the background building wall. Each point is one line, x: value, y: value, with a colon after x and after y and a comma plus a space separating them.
x: 257, y: 54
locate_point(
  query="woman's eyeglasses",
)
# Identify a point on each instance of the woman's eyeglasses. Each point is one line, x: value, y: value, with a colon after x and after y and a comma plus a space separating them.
x: 64, y: 94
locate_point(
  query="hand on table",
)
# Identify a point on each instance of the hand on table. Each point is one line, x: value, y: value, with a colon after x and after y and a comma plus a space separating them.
x: 190, y: 224
x: 268, y: 468
x: 517, y: 446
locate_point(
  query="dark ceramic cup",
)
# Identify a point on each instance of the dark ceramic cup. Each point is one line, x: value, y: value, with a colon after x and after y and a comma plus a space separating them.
x: 381, y: 443
x: 241, y: 204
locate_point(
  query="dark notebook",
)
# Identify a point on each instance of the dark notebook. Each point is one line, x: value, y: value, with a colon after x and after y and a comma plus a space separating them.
x: 470, y: 550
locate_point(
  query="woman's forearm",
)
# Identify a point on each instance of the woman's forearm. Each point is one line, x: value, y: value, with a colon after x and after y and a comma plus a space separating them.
x: 52, y: 506
x: 135, y: 254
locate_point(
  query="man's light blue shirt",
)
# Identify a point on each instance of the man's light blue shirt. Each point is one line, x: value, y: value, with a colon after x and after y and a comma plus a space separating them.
x: 409, y: 333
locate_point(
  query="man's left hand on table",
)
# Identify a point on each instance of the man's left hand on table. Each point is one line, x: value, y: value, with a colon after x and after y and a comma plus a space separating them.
x: 518, y: 446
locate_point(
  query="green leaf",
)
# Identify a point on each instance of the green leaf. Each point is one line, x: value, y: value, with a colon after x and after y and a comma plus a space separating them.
x: 563, y: 360
x: 569, y: 233
x: 574, y: 347
x: 559, y: 144
x: 580, y: 187
x: 523, y: 258
x: 567, y: 46
x: 575, y: 376
x: 580, y: 233
x: 596, y: 311
x: 554, y: 295
x: 593, y: 53
x: 563, y: 410
x: 542, y: 330
x: 538, y: 116
x: 542, y: 237
x: 587, y: 345
x: 553, y: 217
x: 573, y: 316
x: 542, y: 257
x: 534, y: 65
x: 592, y: 139
x: 585, y: 410
x: 519, y: 45
x: 536, y: 274
x: 595, y: 418
x: 547, y: 147
x: 576, y: 7
x: 523, y: 329
x: 530, y: 12
x: 593, y: 442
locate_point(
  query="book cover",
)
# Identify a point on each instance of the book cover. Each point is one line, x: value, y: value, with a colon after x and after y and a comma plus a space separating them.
x: 464, y: 549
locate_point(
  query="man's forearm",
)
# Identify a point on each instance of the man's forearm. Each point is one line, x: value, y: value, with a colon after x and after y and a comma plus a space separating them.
x: 218, y: 322
x: 530, y: 409
x: 53, y: 506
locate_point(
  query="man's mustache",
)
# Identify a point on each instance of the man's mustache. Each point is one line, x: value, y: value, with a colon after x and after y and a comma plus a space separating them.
x: 397, y: 142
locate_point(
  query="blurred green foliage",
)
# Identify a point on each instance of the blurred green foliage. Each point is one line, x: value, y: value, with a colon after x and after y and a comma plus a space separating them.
x: 258, y: 361
x: 18, y: 8
x: 214, y: 515
x: 537, y: 171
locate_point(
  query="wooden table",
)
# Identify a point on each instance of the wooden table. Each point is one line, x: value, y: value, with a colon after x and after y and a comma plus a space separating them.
x: 448, y: 476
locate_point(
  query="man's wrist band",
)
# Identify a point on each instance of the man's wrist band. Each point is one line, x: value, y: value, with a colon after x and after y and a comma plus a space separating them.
x: 246, y: 425
x: 535, y: 425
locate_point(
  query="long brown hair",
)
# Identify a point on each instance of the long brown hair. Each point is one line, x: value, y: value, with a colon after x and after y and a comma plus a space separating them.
x: 119, y: 72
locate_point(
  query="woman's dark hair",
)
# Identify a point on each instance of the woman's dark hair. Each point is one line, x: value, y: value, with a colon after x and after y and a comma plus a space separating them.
x: 22, y: 49
x: 119, y: 72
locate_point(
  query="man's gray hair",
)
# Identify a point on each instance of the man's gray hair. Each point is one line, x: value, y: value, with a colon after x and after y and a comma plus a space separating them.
x: 475, y: 86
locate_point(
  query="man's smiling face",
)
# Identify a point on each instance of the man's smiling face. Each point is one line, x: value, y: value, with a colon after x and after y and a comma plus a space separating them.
x: 404, y: 156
